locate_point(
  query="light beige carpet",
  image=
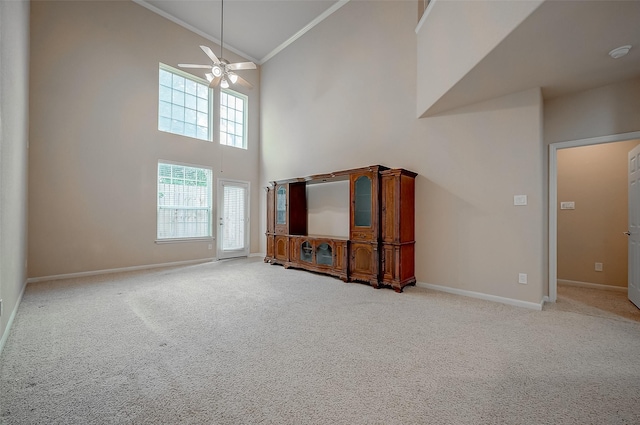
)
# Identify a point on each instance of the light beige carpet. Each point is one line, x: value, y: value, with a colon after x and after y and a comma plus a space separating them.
x: 596, y: 302
x: 243, y: 342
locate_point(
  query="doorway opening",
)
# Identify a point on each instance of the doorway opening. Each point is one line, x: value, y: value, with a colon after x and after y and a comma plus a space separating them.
x: 553, y: 197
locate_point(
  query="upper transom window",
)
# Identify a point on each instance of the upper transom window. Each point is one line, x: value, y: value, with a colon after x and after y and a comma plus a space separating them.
x: 233, y: 116
x: 184, y: 105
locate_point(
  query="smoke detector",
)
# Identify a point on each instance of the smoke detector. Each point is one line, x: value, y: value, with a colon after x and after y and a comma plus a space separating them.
x: 620, y: 51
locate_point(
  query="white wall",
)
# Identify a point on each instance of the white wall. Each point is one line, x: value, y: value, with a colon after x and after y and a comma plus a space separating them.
x: 95, y: 142
x: 596, y: 179
x: 344, y: 96
x: 328, y: 209
x: 14, y: 142
x: 455, y: 36
x: 607, y: 110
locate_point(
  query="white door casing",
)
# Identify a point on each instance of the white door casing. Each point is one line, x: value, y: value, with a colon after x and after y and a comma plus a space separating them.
x: 233, y: 219
x: 634, y: 226
x: 553, y: 197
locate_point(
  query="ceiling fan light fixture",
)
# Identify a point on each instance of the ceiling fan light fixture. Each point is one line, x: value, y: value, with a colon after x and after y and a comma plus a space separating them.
x: 216, y: 71
x: 620, y: 51
x: 221, y: 70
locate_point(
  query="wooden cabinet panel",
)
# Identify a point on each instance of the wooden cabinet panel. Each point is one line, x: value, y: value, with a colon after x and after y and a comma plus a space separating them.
x: 398, y: 264
x: 389, y: 272
x: 297, y: 208
x: 270, y: 248
x: 406, y: 208
x: 281, y: 249
x: 270, y: 210
x: 341, y: 256
x: 270, y: 224
x: 398, y: 228
x: 389, y: 213
x: 363, y: 265
x: 398, y: 205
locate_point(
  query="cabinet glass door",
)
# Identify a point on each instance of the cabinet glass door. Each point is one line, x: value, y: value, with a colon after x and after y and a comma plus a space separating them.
x: 306, y: 252
x: 362, y: 207
x: 281, y: 205
x: 324, y: 255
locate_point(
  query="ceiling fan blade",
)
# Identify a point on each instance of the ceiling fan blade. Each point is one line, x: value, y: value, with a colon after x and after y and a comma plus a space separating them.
x: 191, y: 65
x: 241, y: 66
x: 215, y: 82
x: 244, y: 82
x: 209, y: 53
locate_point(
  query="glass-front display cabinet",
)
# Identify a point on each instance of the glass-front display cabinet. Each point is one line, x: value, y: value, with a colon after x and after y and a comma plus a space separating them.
x: 291, y: 208
x: 380, y: 248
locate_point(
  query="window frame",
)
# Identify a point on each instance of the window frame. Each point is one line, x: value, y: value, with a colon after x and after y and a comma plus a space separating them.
x: 245, y: 99
x: 211, y: 206
x: 210, y: 102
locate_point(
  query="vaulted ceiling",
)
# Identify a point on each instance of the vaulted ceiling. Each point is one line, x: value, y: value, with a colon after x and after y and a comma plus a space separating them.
x: 254, y: 29
x: 562, y: 47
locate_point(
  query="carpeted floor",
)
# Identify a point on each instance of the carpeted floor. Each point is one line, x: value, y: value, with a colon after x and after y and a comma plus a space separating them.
x: 596, y: 302
x: 243, y: 342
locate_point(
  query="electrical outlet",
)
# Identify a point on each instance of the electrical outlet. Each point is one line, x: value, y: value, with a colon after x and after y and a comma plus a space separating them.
x: 598, y: 267
x: 522, y: 278
x: 210, y: 246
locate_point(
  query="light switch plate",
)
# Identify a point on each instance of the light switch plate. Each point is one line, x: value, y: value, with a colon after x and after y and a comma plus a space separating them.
x: 568, y: 205
x: 520, y: 200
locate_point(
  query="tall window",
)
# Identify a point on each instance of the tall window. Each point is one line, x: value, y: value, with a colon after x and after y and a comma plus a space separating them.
x: 184, y: 106
x: 233, y: 110
x: 184, y: 201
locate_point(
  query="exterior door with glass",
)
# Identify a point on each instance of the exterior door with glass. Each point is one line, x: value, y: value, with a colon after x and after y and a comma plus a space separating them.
x: 233, y: 219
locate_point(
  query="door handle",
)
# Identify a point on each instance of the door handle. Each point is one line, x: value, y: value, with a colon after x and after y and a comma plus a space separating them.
x: 627, y: 233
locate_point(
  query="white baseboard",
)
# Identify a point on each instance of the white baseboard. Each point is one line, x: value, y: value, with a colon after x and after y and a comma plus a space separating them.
x: 480, y: 295
x: 258, y: 254
x: 5, y: 335
x: 118, y: 270
x: 592, y: 285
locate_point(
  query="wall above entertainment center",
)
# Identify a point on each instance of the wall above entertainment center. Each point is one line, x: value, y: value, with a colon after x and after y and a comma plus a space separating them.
x: 379, y: 247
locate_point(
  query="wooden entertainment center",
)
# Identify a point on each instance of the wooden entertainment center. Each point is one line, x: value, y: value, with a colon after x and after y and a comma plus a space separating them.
x: 380, y: 249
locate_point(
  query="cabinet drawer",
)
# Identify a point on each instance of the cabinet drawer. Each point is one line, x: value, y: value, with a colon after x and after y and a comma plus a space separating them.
x: 362, y: 235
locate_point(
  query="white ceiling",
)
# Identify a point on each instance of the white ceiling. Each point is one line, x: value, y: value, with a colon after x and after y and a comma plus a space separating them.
x: 561, y: 47
x: 254, y: 29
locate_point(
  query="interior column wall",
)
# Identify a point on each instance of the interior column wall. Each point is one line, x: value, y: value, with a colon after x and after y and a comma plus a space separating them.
x: 471, y: 161
x: 14, y: 143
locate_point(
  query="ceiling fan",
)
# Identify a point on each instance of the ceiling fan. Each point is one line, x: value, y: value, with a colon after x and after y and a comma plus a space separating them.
x: 222, y: 72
